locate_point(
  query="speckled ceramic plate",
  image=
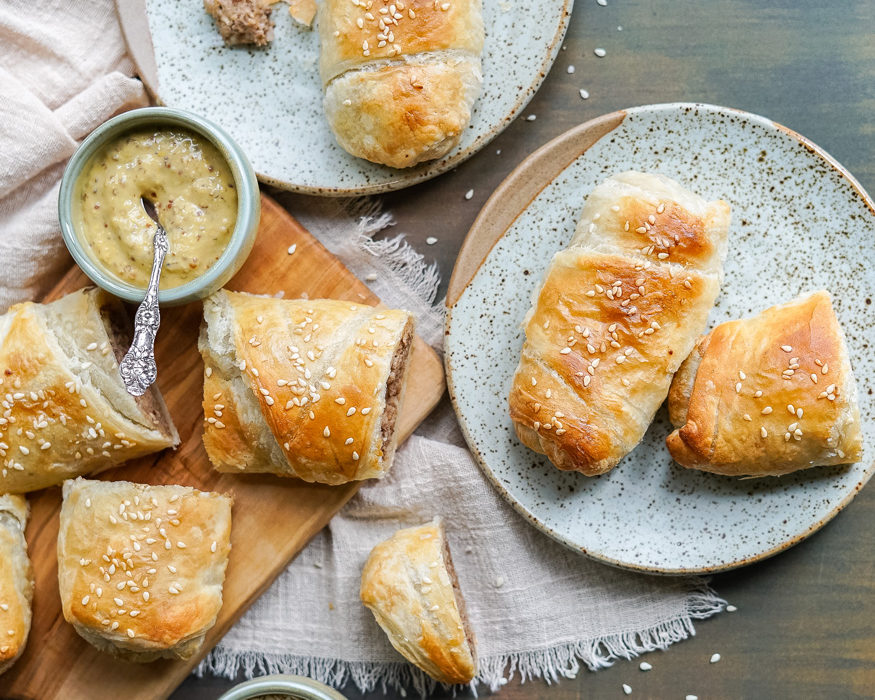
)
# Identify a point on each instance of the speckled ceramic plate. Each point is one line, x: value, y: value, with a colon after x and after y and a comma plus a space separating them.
x: 270, y: 100
x: 799, y: 222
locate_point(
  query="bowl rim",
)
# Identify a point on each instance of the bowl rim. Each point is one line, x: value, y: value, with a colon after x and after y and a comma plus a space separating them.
x: 304, y: 688
x: 248, y: 203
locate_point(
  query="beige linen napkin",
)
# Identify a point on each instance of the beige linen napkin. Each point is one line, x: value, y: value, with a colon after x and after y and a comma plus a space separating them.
x: 539, y: 610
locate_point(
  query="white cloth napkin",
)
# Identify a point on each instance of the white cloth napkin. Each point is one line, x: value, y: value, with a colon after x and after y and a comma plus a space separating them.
x: 538, y: 609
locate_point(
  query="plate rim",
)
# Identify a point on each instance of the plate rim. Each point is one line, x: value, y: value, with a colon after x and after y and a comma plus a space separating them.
x: 133, y: 17
x: 454, y: 297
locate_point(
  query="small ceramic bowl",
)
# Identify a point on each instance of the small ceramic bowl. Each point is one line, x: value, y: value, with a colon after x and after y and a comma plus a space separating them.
x: 248, y: 204
x: 292, y: 687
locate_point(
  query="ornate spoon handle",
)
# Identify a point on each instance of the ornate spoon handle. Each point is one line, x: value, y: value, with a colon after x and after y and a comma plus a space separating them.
x: 138, y: 367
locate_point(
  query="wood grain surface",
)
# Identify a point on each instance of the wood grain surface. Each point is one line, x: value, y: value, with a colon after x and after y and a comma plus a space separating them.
x: 805, y: 626
x: 273, y: 518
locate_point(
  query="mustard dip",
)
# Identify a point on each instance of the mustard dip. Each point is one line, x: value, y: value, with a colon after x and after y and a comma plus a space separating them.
x: 192, y: 188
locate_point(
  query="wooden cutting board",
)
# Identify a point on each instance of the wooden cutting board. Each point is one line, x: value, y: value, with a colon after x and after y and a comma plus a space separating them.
x: 273, y: 518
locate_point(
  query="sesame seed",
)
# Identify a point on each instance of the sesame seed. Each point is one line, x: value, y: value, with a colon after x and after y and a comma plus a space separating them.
x: 799, y: 413
x: 786, y: 348
x: 355, y: 456
x: 731, y: 608
x: 181, y: 544
x: 601, y: 53
x: 747, y: 417
x: 340, y: 400
x: 766, y: 411
x: 569, y: 70
x: 565, y: 351
x: 213, y: 546
x: 91, y: 346
x: 790, y: 409
x: 85, y: 600
x: 764, y: 432
x: 531, y: 117
x: 738, y: 387
x: 130, y: 633
x: 627, y: 689
x: 469, y: 194
x: 715, y: 658
x: 431, y: 240
x: 326, y: 432
x: 644, y: 666
x: 584, y: 94
x: 350, y: 412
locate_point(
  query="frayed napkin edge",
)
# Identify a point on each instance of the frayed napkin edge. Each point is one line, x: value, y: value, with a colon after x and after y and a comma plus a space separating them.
x: 551, y: 664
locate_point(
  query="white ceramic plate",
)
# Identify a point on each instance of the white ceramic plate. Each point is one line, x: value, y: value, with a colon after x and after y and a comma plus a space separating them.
x: 799, y: 222
x: 270, y: 100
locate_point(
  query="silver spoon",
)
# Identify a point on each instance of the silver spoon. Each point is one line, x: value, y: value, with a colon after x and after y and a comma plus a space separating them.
x: 138, y: 367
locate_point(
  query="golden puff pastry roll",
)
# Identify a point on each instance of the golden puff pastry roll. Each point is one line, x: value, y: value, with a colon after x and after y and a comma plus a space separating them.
x: 64, y: 410
x: 16, y: 580
x: 400, y: 76
x: 768, y: 395
x: 141, y: 568
x: 303, y: 388
x: 410, y: 585
x: 618, y: 312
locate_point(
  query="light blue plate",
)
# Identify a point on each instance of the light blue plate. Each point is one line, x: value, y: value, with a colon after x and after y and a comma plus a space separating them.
x: 799, y: 222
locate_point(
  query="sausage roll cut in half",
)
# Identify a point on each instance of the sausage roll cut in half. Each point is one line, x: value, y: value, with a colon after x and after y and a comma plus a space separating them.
x: 400, y: 76
x: 141, y: 568
x: 410, y: 585
x: 768, y: 395
x: 16, y: 580
x: 65, y: 410
x: 619, y: 310
x: 304, y: 388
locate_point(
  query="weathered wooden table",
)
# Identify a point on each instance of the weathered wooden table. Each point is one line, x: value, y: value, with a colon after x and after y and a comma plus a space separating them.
x: 805, y: 626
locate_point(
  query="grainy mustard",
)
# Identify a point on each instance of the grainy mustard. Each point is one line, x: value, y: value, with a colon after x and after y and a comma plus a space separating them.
x: 194, y: 194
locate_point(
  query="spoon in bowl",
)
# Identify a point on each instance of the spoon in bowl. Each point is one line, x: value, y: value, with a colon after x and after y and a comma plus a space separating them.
x: 138, y: 367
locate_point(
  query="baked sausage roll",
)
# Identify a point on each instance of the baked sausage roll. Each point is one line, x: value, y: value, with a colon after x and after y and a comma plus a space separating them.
x: 409, y: 583
x: 141, y: 568
x: 619, y: 310
x: 304, y: 388
x: 768, y: 395
x: 65, y: 410
x: 16, y: 580
x: 400, y: 76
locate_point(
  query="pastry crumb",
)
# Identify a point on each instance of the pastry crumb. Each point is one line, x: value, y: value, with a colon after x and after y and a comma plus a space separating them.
x: 302, y: 11
x: 242, y: 21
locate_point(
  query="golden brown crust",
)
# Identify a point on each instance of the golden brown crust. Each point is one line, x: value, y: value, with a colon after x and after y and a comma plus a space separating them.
x: 400, y: 78
x: 408, y: 583
x: 351, y: 32
x: 403, y: 114
x: 301, y: 388
x: 16, y: 580
x: 64, y: 409
x: 613, y: 322
x: 140, y: 568
x: 750, y: 375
